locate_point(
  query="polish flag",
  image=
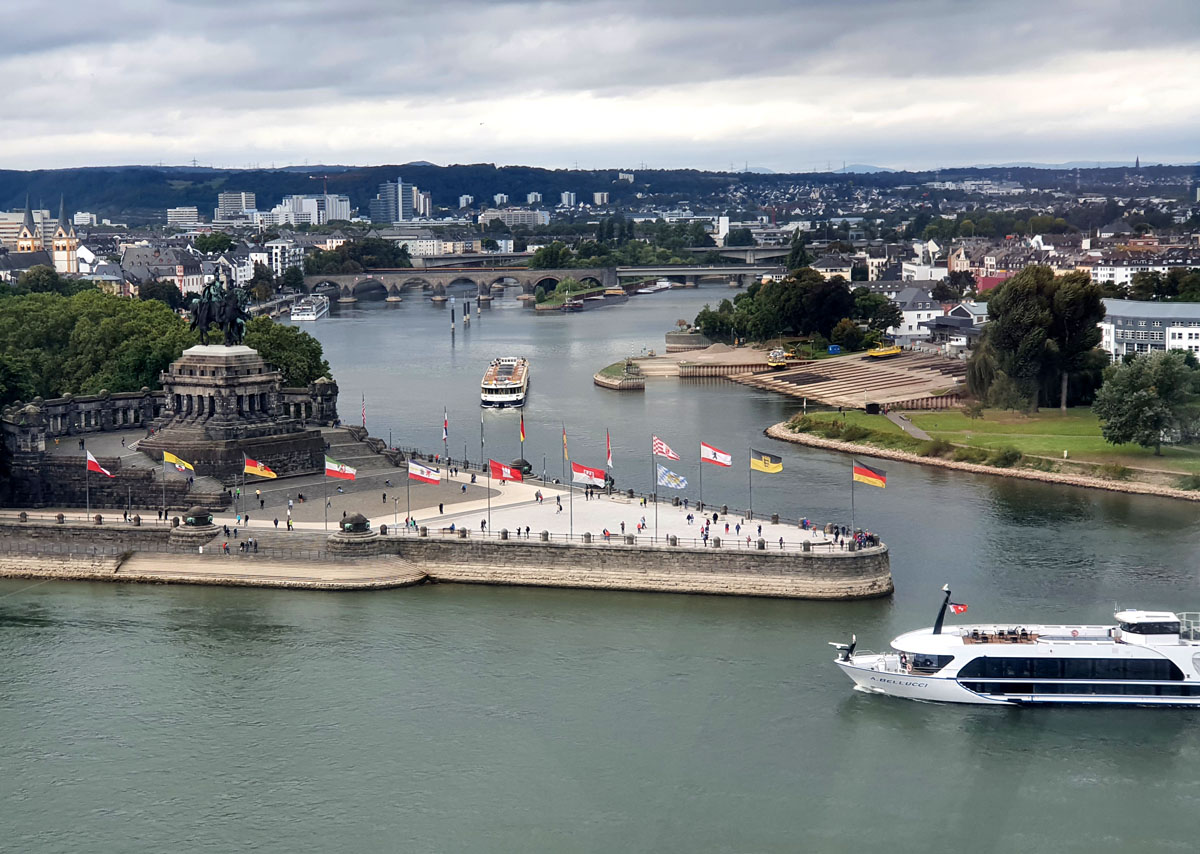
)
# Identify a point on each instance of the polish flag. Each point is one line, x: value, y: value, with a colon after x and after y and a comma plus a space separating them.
x: 502, y: 472
x: 92, y: 465
x: 714, y: 455
x: 425, y: 474
x: 587, y: 474
x: 662, y: 449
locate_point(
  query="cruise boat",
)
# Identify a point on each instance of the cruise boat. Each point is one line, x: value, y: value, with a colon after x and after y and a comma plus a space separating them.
x: 310, y: 308
x: 505, y: 383
x: 1147, y: 658
x: 660, y: 285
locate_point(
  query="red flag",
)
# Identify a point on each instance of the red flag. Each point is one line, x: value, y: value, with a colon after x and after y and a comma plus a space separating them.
x: 957, y: 608
x: 502, y: 472
x: 92, y: 465
x: 587, y: 474
x: 662, y: 449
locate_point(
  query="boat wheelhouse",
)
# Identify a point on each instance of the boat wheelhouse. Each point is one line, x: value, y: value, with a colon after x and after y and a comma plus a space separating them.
x: 505, y: 383
x: 1145, y: 658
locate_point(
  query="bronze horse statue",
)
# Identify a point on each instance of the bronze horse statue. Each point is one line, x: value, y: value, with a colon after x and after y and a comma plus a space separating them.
x: 222, y: 307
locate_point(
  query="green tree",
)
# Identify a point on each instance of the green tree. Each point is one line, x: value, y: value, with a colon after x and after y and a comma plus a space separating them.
x: 293, y: 277
x: 167, y: 292
x: 1076, y: 310
x: 1143, y: 399
x: 847, y: 334
x: 739, y: 237
x: 295, y: 353
x: 217, y: 241
x: 489, y: 244
x: 798, y: 256
x: 553, y: 257
x: 16, y: 379
x: 875, y: 310
x: 953, y: 287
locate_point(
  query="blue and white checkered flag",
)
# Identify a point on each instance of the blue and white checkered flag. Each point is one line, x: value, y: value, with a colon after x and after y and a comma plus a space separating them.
x: 666, y: 477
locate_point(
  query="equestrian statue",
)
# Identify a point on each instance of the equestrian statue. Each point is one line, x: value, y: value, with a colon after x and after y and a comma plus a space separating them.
x: 223, y: 307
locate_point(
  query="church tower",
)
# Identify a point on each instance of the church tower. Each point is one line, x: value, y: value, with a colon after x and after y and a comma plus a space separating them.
x: 66, y: 244
x: 29, y: 238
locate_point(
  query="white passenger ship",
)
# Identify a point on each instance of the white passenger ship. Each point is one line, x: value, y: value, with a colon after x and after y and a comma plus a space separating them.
x: 310, y: 308
x: 505, y: 383
x: 1146, y: 658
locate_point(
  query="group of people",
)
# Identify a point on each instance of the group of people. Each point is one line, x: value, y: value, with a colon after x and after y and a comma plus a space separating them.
x: 244, y: 546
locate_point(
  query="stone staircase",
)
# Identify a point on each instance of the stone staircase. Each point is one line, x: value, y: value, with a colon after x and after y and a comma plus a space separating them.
x: 364, y: 454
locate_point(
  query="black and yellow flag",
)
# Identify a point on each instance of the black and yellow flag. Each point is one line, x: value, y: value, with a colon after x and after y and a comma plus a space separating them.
x: 760, y: 461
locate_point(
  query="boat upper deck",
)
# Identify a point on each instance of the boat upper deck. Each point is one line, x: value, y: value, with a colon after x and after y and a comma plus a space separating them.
x: 506, y: 372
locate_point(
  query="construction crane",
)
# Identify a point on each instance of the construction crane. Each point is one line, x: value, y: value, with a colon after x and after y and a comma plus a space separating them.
x: 324, y: 179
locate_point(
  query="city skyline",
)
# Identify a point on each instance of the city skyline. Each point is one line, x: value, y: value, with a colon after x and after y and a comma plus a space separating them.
x: 791, y: 87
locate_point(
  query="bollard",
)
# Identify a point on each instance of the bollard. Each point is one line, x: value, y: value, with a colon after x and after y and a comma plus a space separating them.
x: 544, y: 536
x: 806, y: 546
x: 724, y: 509
x: 762, y: 544
x: 629, y: 493
x: 23, y: 516
x: 774, y: 518
x: 137, y: 520
x: 673, y: 540
x: 675, y: 501
x: 716, y: 542
x: 174, y: 521
x: 587, y: 536
x: 853, y: 546
x: 504, y: 533
x: 423, y: 532
x: 383, y: 530
x: 462, y: 533
x: 60, y: 518
x: 630, y: 539
x: 99, y: 519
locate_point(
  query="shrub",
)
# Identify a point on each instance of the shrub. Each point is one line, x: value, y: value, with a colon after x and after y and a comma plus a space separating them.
x: 1004, y: 458
x: 973, y: 410
x: 832, y: 429
x: 1041, y: 464
x: 935, y: 448
x: 969, y: 455
x: 1113, y: 471
x: 801, y: 424
x: 539, y: 294
x: 1188, y: 481
x: 854, y: 432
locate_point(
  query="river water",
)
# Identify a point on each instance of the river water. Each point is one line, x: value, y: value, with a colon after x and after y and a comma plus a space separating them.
x: 456, y: 718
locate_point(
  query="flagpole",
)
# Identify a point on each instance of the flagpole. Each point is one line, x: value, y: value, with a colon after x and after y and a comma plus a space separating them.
x: 489, y: 468
x: 87, y: 485
x: 571, y: 503
x: 164, y: 482
x: 482, y: 455
x: 852, y: 496
x: 446, y: 427
x: 702, y: 481
x: 750, y: 478
x: 407, y: 499
x: 564, y: 465
x: 325, y: 494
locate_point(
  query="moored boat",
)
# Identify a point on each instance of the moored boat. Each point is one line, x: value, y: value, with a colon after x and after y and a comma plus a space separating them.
x: 310, y: 308
x: 1145, y: 658
x: 505, y: 383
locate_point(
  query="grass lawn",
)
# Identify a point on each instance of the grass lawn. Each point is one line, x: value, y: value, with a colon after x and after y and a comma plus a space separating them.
x: 614, y: 371
x: 859, y: 419
x: 1048, y: 434
x: 558, y: 299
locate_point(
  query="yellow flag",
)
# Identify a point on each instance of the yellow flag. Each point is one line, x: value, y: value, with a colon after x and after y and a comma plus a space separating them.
x: 168, y: 457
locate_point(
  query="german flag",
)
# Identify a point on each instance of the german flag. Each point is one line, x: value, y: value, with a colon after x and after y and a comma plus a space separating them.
x: 867, y: 474
x: 761, y: 461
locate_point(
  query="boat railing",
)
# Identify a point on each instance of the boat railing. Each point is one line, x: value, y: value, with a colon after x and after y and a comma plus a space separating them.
x: 1189, y: 625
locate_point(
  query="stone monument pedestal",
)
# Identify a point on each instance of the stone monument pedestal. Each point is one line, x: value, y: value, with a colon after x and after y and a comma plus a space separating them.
x: 354, y: 538
x: 223, y: 402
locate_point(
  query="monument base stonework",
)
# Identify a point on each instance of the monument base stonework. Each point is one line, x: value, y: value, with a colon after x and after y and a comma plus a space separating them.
x: 223, y: 403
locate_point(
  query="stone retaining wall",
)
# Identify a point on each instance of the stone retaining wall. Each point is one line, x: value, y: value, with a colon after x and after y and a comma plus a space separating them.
x: 837, y: 575
x: 781, y: 432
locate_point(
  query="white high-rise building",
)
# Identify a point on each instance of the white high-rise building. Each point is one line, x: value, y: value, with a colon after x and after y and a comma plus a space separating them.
x: 187, y: 215
x: 533, y: 198
x: 231, y: 205
x: 84, y: 218
x: 567, y: 200
x: 500, y: 199
x: 465, y: 201
x: 599, y: 198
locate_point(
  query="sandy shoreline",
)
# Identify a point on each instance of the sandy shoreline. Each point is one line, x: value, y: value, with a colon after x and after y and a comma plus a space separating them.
x: 780, y: 431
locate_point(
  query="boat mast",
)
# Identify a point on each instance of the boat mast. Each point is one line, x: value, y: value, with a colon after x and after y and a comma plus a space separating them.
x: 937, y: 624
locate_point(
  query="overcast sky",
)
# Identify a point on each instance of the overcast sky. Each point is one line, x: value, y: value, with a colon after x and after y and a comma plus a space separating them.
x: 791, y: 85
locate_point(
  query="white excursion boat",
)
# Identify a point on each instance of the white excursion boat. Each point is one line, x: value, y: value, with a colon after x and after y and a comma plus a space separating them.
x: 310, y: 308
x: 1146, y: 658
x: 505, y: 383
x: 660, y: 285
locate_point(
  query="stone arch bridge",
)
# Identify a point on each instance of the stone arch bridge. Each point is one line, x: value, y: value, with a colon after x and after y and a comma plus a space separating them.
x: 392, y: 283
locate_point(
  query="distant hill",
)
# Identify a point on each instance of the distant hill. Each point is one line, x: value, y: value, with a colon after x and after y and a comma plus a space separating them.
x: 863, y: 169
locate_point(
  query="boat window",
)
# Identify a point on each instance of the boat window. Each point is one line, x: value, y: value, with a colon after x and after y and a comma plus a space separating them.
x: 920, y: 662
x: 1151, y: 628
x: 1148, y: 669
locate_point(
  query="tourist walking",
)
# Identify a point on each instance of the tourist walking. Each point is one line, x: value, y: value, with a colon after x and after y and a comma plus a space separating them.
x: 276, y: 523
